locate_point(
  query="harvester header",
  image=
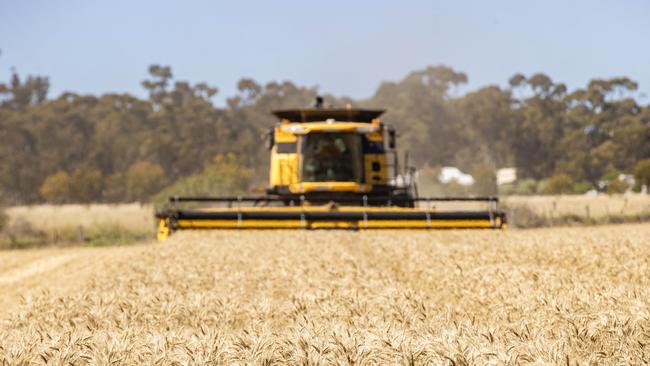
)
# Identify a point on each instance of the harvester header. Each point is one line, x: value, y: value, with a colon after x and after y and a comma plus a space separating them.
x: 330, y: 168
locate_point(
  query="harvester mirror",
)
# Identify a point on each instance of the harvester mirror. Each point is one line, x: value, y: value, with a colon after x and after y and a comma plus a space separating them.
x: 391, y: 138
x: 270, y: 140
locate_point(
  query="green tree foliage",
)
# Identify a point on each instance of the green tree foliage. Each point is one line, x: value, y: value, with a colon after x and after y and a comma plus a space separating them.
x: 608, y: 129
x: 538, y: 126
x: 642, y: 173
x: 86, y: 185
x: 22, y: 94
x: 115, y: 188
x: 56, y: 188
x: 534, y: 124
x: 419, y: 107
x: 143, y: 179
x: 582, y: 187
x: 485, y: 180
x: 4, y: 218
x: 223, y: 175
x: 617, y: 186
x: 558, y: 184
x: 526, y: 187
x: 486, y: 126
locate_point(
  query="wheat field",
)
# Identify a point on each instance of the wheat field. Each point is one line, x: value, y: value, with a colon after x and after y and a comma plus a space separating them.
x: 540, y: 296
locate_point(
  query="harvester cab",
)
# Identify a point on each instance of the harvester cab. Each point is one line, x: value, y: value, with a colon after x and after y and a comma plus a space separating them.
x: 330, y: 168
x: 333, y: 155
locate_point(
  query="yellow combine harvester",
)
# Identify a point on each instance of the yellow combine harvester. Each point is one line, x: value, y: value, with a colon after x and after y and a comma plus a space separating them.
x: 330, y: 169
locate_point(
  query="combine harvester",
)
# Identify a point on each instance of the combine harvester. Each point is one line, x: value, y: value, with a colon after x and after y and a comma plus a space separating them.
x: 330, y: 169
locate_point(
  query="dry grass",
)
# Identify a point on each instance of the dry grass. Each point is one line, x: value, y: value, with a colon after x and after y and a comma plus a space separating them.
x: 96, y: 224
x: 51, y: 217
x: 600, y: 206
x: 567, y: 210
x: 545, y: 296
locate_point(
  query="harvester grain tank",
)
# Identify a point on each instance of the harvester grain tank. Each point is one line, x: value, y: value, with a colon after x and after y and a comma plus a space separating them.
x: 330, y: 168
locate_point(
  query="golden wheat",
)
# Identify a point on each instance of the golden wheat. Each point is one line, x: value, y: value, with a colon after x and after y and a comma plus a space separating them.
x: 552, y: 296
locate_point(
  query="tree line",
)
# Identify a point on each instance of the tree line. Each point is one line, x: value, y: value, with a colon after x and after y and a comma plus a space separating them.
x: 119, y: 148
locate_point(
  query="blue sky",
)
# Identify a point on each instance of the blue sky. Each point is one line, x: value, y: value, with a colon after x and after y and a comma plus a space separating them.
x: 344, y: 47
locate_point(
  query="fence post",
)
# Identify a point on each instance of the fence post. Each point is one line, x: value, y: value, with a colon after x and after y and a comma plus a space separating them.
x: 80, y: 234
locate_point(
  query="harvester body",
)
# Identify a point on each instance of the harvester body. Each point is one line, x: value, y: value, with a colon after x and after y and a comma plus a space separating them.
x: 330, y: 169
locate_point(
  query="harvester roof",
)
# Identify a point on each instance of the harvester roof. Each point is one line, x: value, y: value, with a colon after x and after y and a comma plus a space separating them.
x: 323, y: 114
